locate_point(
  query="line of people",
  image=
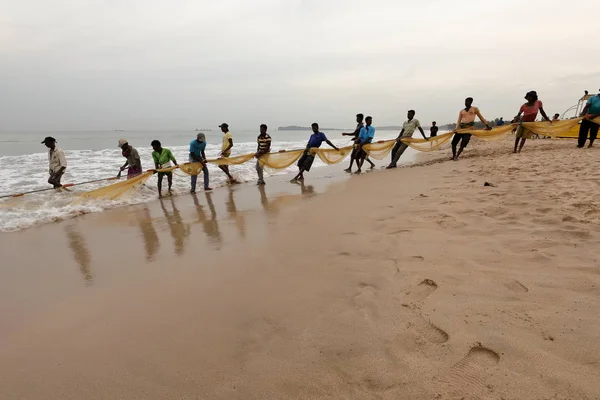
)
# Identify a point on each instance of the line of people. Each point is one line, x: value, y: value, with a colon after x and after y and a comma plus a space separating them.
x: 362, y: 135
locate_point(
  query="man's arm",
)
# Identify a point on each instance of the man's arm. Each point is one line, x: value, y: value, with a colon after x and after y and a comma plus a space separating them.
x: 544, y: 114
x: 585, y: 109
x: 229, y: 147
x: 423, y: 133
x: 331, y: 144
x: 400, y: 135
x: 478, y: 113
x: 265, y: 151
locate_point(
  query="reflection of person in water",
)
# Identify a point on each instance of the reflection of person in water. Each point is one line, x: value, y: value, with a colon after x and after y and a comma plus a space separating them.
x: 81, y: 253
x: 179, y: 230
x: 239, y: 217
x: 151, y: 242
x: 209, y: 225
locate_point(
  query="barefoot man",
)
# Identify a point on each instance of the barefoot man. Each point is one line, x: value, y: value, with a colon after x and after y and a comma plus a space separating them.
x: 408, y: 128
x: 226, y: 150
x: 162, y: 159
x: 367, y: 133
x: 356, y: 134
x: 56, y: 161
x: 305, y: 162
x: 466, y: 119
x: 590, y: 111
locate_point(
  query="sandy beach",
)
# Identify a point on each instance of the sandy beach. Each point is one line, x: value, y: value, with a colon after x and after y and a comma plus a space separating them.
x: 414, y: 283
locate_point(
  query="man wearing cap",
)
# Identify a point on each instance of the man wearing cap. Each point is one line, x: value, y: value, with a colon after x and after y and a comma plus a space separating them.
x: 226, y: 149
x: 133, y: 159
x: 590, y: 111
x: 197, y: 147
x: 56, y: 160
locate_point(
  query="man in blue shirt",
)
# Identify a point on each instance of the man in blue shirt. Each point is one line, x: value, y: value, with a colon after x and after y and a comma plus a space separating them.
x: 366, y: 135
x: 590, y: 111
x: 315, y: 140
x: 197, y: 147
x: 500, y: 122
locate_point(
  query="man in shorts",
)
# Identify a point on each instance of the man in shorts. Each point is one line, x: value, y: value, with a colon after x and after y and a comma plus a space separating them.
x: 162, y: 159
x: 466, y: 119
x: 305, y: 162
x: 366, y: 135
x: 433, y: 131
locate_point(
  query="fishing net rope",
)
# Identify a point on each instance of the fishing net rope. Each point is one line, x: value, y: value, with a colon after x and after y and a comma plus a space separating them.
x: 379, y: 150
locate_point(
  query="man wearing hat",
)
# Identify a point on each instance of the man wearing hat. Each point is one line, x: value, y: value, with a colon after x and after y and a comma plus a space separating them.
x: 226, y: 149
x: 197, y: 147
x: 530, y: 111
x: 133, y: 159
x: 56, y: 160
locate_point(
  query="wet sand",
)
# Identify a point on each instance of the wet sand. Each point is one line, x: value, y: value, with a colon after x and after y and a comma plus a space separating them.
x: 415, y: 283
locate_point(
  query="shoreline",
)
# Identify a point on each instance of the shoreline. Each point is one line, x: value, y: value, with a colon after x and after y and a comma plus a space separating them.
x: 411, y: 283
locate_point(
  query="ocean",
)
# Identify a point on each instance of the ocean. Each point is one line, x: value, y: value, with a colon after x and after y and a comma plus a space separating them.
x: 94, y: 155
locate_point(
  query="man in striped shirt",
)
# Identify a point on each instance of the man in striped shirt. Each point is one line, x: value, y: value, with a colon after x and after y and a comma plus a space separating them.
x: 264, y: 146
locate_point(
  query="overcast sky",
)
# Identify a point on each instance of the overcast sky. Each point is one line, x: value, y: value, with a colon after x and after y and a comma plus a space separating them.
x: 127, y: 64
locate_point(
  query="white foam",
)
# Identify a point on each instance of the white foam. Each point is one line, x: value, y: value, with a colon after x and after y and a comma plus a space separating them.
x: 30, y: 172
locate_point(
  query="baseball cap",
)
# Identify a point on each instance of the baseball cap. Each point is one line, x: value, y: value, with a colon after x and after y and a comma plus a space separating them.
x: 201, y: 136
x: 48, y: 139
x: 122, y: 142
x: 224, y: 125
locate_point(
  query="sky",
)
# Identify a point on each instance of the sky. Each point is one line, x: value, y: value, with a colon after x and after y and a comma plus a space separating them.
x: 157, y: 64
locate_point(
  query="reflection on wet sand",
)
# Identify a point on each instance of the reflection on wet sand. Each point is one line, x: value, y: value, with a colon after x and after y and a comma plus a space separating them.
x: 209, y: 225
x: 240, y: 222
x: 273, y: 205
x: 179, y: 230
x: 81, y: 254
x: 151, y: 242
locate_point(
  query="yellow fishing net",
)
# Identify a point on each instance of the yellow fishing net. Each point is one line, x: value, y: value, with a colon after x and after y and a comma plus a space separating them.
x: 431, y: 144
x: 118, y: 189
x: 193, y: 168
x: 491, y: 135
x: 332, y: 156
x: 232, y: 160
x: 379, y: 150
x: 281, y: 159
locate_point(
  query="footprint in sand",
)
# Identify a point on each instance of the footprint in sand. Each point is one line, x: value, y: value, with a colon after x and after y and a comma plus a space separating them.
x: 424, y: 329
x: 468, y: 376
x: 517, y: 287
x: 365, y: 300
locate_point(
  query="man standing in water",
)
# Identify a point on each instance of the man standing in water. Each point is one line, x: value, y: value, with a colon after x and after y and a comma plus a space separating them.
x: 466, y: 119
x: 197, y: 147
x: 433, y: 131
x: 408, y: 128
x: 226, y: 150
x: 57, y: 162
x: 589, y: 112
x: 264, y: 146
x: 355, y: 134
x: 162, y: 159
x: 305, y: 162
x: 133, y: 159
x: 367, y: 133
x: 530, y: 112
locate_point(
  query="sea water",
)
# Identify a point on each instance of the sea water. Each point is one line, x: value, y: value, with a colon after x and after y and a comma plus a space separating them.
x: 94, y: 155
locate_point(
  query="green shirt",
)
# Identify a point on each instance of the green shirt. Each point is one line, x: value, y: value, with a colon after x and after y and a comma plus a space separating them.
x: 163, y: 159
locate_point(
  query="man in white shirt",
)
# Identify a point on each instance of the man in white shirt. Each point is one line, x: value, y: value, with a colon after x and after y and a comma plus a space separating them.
x: 57, y: 162
x: 408, y: 128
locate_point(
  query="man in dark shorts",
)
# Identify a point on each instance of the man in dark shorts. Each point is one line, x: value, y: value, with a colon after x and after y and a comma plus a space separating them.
x: 433, y: 131
x: 355, y: 134
x: 466, y: 119
x: 57, y: 163
x: 305, y: 162
x: 162, y: 159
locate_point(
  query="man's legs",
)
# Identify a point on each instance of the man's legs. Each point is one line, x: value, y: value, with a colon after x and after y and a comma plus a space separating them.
x: 170, y: 180
x: 194, y: 179
x: 259, y: 172
x: 54, y: 180
x: 159, y: 183
x: 455, y: 140
x: 225, y: 168
x: 400, y: 149
x: 206, y: 181
x: 370, y: 162
x: 352, y: 158
x: 584, y: 128
x: 516, y: 144
x: 593, y: 132
x: 464, y: 141
x: 522, y: 144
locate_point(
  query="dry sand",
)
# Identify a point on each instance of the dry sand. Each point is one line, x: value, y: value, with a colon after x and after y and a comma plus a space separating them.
x: 416, y: 283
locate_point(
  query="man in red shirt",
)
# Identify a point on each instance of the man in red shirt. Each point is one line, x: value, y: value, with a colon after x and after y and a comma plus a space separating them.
x: 530, y: 112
